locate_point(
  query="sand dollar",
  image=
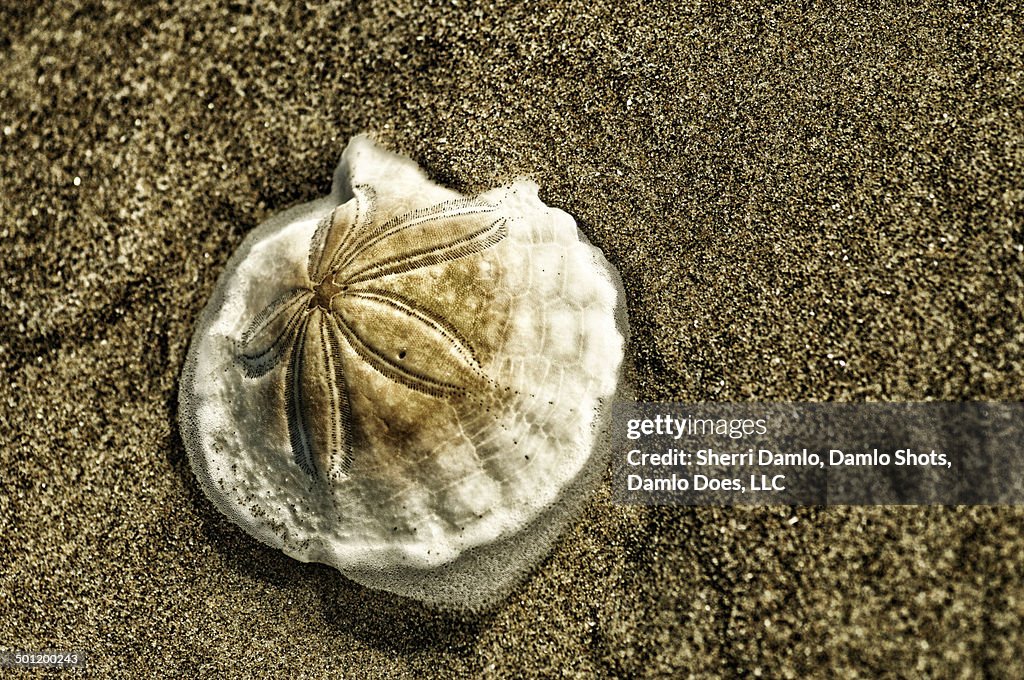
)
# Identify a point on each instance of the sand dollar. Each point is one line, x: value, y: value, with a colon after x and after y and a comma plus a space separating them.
x: 406, y: 383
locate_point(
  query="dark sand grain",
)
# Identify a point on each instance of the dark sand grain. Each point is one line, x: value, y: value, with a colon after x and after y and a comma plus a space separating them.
x: 804, y: 203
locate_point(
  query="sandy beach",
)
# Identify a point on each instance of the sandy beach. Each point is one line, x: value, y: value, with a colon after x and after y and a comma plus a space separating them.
x: 804, y: 203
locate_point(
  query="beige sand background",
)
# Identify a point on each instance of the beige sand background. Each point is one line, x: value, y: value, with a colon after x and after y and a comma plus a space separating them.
x: 805, y: 202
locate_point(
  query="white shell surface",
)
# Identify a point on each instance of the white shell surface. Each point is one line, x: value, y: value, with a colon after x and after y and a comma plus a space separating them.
x: 447, y: 498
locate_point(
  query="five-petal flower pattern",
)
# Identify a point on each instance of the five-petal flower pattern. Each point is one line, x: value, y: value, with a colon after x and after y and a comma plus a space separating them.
x: 347, y: 300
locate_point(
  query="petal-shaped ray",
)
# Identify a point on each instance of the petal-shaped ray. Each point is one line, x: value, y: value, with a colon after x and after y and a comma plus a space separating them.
x: 336, y: 234
x: 444, y: 231
x: 270, y: 333
x: 434, y: 242
x: 319, y: 419
x: 406, y: 343
x: 431, y: 218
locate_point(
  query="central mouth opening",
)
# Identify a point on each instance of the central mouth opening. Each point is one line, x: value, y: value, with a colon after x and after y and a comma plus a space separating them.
x: 324, y: 292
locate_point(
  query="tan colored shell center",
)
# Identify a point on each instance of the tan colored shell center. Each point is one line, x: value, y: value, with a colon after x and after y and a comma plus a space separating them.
x: 324, y: 292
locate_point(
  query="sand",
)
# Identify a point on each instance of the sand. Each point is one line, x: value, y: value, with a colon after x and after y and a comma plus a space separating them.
x: 804, y: 203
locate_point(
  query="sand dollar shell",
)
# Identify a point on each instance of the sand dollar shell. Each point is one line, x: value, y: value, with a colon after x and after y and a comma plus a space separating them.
x: 405, y: 383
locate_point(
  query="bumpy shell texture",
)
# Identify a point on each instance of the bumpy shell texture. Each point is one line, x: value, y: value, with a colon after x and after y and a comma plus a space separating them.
x: 405, y: 383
